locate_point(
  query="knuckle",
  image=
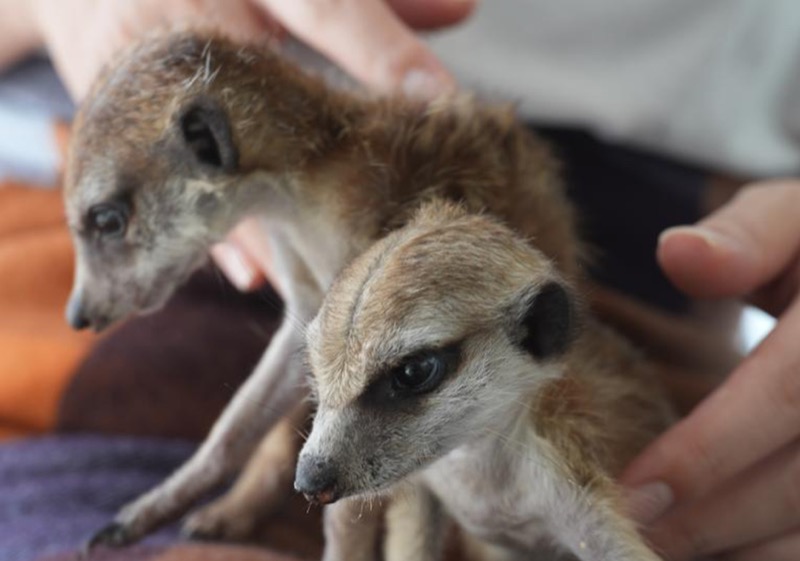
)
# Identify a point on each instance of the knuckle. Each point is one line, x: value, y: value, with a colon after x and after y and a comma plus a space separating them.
x: 752, y: 191
x: 735, y: 219
x: 786, y: 190
x: 393, y: 68
x: 318, y: 13
x: 779, y: 188
x: 778, y: 194
x: 694, y: 462
x: 684, y: 540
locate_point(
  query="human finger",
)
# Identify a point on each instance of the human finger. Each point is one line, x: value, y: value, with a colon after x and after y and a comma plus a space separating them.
x: 760, y: 504
x: 79, y: 35
x: 368, y: 40
x: 427, y: 14
x: 244, y: 257
x: 750, y: 416
x: 782, y: 548
x: 738, y: 249
x: 82, y: 35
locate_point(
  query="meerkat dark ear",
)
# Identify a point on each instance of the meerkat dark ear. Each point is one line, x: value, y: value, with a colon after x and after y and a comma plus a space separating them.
x: 548, y: 322
x: 206, y: 130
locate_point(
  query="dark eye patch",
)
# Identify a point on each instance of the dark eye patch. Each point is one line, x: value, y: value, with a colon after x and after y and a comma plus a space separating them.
x: 415, y: 375
x: 419, y: 374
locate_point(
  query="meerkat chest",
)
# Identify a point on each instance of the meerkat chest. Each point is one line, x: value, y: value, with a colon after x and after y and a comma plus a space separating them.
x: 495, y: 495
x: 324, y: 244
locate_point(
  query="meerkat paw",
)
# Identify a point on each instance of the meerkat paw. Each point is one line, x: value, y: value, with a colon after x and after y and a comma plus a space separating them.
x: 151, y: 511
x: 113, y: 535
x: 223, y: 520
x: 126, y: 529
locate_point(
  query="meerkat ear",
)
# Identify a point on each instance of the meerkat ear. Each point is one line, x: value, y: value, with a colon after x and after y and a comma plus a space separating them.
x: 548, y: 322
x: 206, y: 130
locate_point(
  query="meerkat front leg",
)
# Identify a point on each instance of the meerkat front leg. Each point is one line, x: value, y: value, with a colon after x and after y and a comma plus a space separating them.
x: 594, y: 527
x: 276, y: 385
x: 264, y: 485
x: 352, y: 529
x: 414, y: 521
x: 415, y: 525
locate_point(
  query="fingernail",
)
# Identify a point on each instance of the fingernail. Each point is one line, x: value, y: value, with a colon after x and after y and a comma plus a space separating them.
x: 647, y: 503
x: 713, y: 238
x: 424, y: 84
x: 235, y: 266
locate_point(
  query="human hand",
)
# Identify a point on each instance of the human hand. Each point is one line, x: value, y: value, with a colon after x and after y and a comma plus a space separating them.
x: 726, y: 479
x: 371, y: 39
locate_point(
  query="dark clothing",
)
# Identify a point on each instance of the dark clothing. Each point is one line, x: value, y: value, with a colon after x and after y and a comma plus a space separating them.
x: 626, y: 198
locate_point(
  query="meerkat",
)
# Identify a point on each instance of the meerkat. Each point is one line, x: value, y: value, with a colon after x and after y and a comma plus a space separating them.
x: 454, y: 359
x: 188, y: 133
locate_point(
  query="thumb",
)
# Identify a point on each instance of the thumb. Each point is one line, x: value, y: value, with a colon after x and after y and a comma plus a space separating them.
x: 739, y: 248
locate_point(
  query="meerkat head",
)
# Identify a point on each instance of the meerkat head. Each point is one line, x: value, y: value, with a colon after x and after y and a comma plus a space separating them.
x: 159, y: 168
x: 430, y: 339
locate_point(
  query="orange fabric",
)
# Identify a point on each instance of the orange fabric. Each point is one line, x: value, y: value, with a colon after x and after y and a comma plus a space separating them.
x: 38, y: 351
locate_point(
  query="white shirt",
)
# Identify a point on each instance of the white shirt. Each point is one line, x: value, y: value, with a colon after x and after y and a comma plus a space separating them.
x: 712, y: 82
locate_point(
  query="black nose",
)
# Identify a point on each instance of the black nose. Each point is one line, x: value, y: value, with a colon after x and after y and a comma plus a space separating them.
x: 75, y: 314
x: 79, y: 322
x: 316, y: 479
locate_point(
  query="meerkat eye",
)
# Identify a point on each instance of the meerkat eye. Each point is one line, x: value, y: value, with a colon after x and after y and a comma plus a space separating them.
x: 110, y: 220
x: 423, y: 372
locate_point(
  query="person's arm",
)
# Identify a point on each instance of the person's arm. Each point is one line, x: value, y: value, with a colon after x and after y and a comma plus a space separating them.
x: 18, y: 32
x: 726, y: 479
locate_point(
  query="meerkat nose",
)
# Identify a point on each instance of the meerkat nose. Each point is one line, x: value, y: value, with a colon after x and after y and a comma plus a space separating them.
x: 316, y: 480
x: 76, y: 316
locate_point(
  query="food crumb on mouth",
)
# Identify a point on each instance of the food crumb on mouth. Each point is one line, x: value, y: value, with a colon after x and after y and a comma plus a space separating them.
x: 323, y: 498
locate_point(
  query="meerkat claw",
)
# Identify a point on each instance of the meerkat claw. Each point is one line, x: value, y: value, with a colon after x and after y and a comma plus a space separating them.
x: 113, y: 535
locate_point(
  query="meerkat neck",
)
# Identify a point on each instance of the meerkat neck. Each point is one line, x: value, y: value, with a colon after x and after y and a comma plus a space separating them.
x: 294, y: 122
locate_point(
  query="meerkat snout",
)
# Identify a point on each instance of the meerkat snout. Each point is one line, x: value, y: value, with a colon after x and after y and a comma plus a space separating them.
x: 316, y: 480
x: 77, y: 317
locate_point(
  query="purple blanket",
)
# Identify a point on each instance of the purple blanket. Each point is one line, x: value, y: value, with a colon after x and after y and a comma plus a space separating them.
x: 55, y: 491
